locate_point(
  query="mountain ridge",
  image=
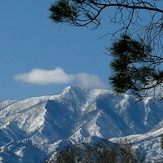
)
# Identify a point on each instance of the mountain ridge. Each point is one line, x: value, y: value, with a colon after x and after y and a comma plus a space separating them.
x: 76, y: 115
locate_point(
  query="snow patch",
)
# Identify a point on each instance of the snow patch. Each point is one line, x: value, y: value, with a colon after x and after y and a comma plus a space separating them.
x: 41, y: 124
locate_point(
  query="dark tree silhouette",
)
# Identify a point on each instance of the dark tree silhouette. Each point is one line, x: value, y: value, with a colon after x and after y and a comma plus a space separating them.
x: 137, y: 64
x: 135, y: 68
x: 128, y: 14
x: 101, y: 152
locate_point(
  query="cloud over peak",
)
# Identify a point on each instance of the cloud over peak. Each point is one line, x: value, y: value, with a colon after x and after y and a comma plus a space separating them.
x: 58, y: 76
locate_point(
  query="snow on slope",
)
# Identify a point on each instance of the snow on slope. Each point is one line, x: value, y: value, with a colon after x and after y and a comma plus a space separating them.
x: 38, y: 124
x: 148, y: 144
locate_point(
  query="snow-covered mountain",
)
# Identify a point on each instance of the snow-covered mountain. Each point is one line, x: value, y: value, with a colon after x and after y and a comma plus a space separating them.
x: 31, y: 129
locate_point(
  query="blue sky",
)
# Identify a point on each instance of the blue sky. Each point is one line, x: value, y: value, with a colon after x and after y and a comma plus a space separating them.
x: 39, y: 57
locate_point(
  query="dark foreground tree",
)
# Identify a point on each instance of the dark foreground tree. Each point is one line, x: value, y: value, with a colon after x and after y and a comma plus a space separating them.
x: 131, y: 16
x: 102, y: 152
x: 138, y: 69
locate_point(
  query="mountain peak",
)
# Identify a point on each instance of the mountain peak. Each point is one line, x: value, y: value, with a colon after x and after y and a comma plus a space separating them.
x: 73, y: 88
x: 75, y: 115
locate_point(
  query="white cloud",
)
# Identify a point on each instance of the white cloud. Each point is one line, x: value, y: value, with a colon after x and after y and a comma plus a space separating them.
x: 89, y: 81
x: 58, y: 76
x: 45, y: 77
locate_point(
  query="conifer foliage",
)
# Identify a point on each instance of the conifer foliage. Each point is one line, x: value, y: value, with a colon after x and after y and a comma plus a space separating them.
x: 137, y: 63
x: 101, y: 152
x: 63, y: 11
x: 135, y: 68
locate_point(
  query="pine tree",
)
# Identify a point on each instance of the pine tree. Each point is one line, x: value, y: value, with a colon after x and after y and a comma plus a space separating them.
x: 134, y: 67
